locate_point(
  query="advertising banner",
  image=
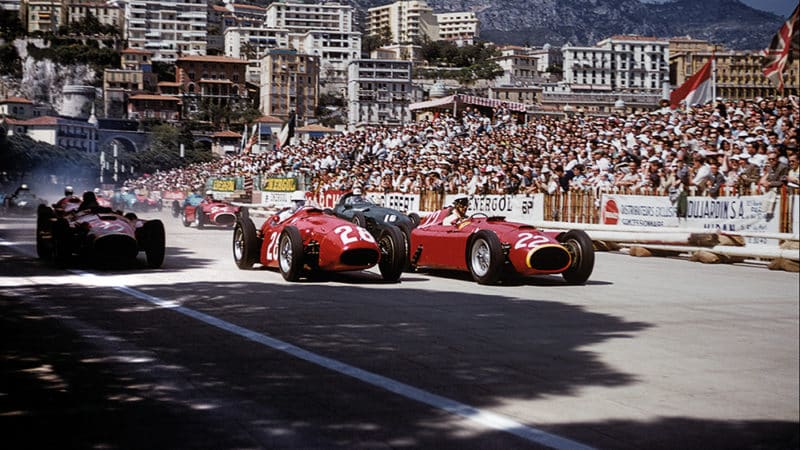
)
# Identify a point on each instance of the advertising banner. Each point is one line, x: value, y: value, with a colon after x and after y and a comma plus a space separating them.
x: 517, y: 208
x: 732, y: 214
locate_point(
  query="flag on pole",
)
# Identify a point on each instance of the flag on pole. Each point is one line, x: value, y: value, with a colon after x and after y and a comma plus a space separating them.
x: 783, y: 49
x: 253, y: 138
x: 244, y: 140
x: 699, y: 88
x: 287, y: 131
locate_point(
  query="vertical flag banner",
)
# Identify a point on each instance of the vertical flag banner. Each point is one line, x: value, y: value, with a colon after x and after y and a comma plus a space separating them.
x: 783, y: 49
x: 287, y: 131
x: 699, y: 88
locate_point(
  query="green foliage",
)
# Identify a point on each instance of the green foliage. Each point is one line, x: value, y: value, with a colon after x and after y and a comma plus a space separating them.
x: 164, y: 71
x: 164, y: 151
x: 22, y: 155
x: 474, y: 61
x: 77, y: 53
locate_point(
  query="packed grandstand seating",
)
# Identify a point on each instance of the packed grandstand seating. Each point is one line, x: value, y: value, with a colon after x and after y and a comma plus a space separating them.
x: 721, y: 148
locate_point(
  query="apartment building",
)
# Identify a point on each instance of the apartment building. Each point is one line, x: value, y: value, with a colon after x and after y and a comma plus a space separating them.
x: 167, y: 29
x: 105, y: 13
x: 289, y: 82
x: 134, y: 76
x: 379, y: 91
x: 44, y: 15
x: 406, y: 21
x: 460, y: 28
x: 203, y: 79
x: 302, y: 17
x: 619, y: 63
x: 252, y: 44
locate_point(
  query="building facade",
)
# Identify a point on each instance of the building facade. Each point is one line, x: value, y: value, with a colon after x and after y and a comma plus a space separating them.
x: 289, y: 82
x: 405, y: 21
x: 167, y: 29
x: 379, y: 92
x: 216, y: 80
x: 461, y: 28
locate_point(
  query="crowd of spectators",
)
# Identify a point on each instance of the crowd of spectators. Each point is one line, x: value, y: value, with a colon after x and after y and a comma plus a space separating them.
x: 720, y: 148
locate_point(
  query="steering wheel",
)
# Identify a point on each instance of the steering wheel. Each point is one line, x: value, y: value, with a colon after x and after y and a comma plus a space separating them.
x: 478, y: 214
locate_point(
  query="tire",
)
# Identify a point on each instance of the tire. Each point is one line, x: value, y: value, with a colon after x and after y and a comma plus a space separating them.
x: 184, y: 218
x: 290, y: 253
x: 579, y: 245
x: 62, y: 246
x: 154, y: 243
x: 199, y: 217
x: 359, y: 219
x: 485, y: 257
x: 245, y: 244
x: 176, y: 209
x: 44, y: 246
x: 414, y: 217
x: 394, y: 255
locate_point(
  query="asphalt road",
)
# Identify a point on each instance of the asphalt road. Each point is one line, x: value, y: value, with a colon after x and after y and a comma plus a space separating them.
x: 652, y: 353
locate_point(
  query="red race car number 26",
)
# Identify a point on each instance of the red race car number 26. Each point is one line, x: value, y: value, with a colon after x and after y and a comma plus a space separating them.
x: 348, y: 234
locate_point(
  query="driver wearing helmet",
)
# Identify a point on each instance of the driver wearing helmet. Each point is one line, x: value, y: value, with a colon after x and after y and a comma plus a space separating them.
x: 458, y: 213
x: 209, y: 196
x: 296, y: 201
x: 69, y: 202
x: 356, y: 197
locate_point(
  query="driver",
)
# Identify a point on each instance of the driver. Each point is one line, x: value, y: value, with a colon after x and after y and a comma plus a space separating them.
x: 296, y: 201
x: 356, y: 197
x: 69, y: 197
x: 209, y: 196
x: 459, y: 212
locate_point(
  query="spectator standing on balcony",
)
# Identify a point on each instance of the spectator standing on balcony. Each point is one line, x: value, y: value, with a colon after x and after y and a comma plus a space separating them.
x: 715, y: 180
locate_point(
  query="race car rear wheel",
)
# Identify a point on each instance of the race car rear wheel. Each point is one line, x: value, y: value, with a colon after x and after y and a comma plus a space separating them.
x: 245, y: 244
x: 485, y: 257
x: 579, y: 245
x: 290, y: 253
x: 154, y: 243
x: 44, y: 236
x: 393, y: 253
x: 62, y: 245
x: 414, y: 217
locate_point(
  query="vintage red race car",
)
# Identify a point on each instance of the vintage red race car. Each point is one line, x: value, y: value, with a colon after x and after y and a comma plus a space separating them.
x: 311, y: 241
x: 100, y: 235
x: 215, y: 212
x: 489, y: 247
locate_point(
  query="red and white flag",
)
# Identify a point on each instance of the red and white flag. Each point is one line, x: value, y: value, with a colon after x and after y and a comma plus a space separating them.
x: 782, y: 50
x: 698, y: 89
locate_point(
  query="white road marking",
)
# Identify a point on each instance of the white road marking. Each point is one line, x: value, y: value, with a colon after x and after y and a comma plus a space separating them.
x: 477, y: 415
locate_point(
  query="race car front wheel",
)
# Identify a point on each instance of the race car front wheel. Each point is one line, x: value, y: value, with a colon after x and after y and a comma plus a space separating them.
x: 393, y: 253
x: 245, y: 244
x: 485, y: 257
x: 290, y: 253
x: 154, y: 243
x: 579, y: 245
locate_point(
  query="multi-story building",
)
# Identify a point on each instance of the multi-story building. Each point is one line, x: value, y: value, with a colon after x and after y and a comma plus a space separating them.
x: 301, y: 17
x: 460, y: 28
x: 547, y: 57
x: 133, y: 77
x: 405, y: 21
x: 10, y: 5
x: 519, y: 67
x: 218, y: 80
x: 737, y: 75
x: 379, y: 92
x: 105, y: 13
x: 69, y: 134
x: 289, y: 82
x: 153, y: 106
x: 619, y: 63
x: 252, y: 44
x: 44, y: 15
x: 167, y: 29
x: 335, y: 51
x: 17, y: 108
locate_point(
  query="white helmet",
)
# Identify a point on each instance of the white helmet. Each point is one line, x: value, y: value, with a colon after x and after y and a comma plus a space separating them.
x: 68, y: 190
x: 357, y: 191
x: 96, y: 190
x: 297, y: 199
x: 209, y: 192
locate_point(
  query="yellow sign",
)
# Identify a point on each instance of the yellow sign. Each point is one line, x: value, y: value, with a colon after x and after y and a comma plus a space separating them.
x: 280, y: 184
x: 224, y: 185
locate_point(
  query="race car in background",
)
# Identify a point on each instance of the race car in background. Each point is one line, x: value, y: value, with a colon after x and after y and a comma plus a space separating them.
x: 126, y: 200
x: 98, y: 235
x: 209, y: 212
x: 22, y: 202
x: 490, y: 247
x: 310, y: 241
x: 365, y: 213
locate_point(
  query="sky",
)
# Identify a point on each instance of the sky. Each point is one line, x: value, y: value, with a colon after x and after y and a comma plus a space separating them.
x: 782, y: 8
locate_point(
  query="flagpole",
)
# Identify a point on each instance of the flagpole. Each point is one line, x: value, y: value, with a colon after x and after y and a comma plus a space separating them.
x: 713, y: 79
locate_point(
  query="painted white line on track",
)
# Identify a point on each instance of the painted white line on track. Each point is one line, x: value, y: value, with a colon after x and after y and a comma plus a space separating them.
x: 485, y: 418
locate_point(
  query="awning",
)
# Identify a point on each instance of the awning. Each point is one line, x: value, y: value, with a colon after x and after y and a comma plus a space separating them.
x: 436, y: 103
x: 461, y: 99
